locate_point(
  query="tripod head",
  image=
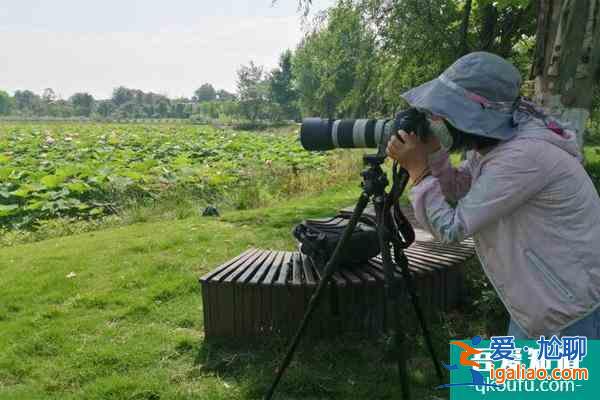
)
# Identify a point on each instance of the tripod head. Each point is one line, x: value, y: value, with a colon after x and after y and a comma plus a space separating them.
x: 374, y: 179
x: 373, y: 160
x: 374, y: 183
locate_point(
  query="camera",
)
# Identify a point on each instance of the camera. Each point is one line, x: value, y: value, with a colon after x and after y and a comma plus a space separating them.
x: 327, y: 134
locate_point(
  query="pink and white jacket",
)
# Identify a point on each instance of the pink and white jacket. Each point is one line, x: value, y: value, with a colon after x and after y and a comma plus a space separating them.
x: 535, y: 217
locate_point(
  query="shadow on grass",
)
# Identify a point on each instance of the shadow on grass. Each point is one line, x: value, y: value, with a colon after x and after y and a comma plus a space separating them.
x: 351, y: 366
x: 347, y: 367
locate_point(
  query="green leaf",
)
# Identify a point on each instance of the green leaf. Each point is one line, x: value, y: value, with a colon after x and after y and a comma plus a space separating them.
x: 35, y: 205
x: 52, y: 181
x: 23, y: 191
x: 136, y: 176
x: 5, y: 173
x: 96, y: 211
x: 67, y: 170
x: 8, y: 209
x: 77, y: 187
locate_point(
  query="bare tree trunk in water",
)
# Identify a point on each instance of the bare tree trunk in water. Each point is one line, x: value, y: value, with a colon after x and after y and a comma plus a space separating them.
x: 567, y: 59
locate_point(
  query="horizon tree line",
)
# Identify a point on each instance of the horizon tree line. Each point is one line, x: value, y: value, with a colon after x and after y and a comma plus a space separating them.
x: 260, y: 95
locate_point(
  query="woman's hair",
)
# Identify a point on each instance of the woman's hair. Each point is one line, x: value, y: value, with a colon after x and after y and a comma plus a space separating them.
x: 467, y: 141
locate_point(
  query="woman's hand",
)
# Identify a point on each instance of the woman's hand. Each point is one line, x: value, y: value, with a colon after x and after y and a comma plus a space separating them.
x: 412, y: 154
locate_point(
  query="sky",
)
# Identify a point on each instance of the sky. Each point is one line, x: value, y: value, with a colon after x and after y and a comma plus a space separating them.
x: 165, y: 46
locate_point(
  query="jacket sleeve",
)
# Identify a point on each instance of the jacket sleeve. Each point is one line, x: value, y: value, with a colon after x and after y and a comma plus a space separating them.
x: 507, y: 180
x: 455, y: 182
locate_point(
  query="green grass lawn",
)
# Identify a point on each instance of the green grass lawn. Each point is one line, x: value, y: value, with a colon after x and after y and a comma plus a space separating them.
x: 117, y: 314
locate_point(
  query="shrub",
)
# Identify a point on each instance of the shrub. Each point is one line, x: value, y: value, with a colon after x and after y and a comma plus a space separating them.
x: 593, y: 170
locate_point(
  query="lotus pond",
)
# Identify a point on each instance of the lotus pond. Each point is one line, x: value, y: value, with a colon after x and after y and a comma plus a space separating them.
x: 89, y: 169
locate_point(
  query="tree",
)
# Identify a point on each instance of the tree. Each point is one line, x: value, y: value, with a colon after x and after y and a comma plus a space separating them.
x: 498, y: 25
x: 105, y: 108
x: 82, y: 103
x: 48, y: 95
x: 566, y: 66
x: 418, y: 39
x: 224, y: 95
x: 281, y: 87
x: 206, y: 92
x: 60, y: 109
x: 4, y: 103
x: 180, y: 108
x: 163, y: 108
x: 252, y: 91
x: 334, y: 67
x: 26, y: 100
x: 131, y: 109
x: 464, y: 27
x: 122, y: 95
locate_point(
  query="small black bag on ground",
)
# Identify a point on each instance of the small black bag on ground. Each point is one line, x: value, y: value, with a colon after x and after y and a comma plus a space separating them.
x: 319, y: 237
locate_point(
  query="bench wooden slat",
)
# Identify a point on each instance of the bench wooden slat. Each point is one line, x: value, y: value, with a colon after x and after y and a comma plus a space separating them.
x: 284, y: 270
x: 431, y: 258
x: 225, y: 265
x: 363, y: 275
x: 266, y: 294
x: 247, y: 299
x: 264, y: 269
x: 438, y: 247
x: 247, y: 265
x: 249, y: 272
x: 247, y: 260
x: 296, y: 270
x: 311, y: 277
x: 378, y: 263
x: 350, y: 276
x: 269, y: 279
x: 375, y: 270
x: 338, y: 279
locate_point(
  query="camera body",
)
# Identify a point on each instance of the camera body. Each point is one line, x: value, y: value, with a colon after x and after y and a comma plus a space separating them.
x: 327, y: 134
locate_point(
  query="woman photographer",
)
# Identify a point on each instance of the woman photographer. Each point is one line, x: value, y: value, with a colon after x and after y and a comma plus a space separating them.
x: 522, y: 194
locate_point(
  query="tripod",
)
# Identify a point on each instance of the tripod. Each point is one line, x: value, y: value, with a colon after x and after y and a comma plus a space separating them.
x: 394, y: 231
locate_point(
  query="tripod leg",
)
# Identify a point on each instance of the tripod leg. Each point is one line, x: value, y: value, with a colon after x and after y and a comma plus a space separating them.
x: 400, y: 342
x: 314, y: 300
x: 392, y: 297
x: 414, y: 297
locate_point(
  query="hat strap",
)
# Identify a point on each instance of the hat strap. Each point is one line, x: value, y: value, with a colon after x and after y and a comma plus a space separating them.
x: 502, y: 106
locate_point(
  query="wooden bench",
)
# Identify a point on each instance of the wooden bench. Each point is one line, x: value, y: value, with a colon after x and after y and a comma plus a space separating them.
x: 264, y: 292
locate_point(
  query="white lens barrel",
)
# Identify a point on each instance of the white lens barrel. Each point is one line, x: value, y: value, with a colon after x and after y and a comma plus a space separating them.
x: 358, y: 133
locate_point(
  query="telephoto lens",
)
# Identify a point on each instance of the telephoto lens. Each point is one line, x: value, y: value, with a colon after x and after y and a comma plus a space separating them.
x: 327, y: 134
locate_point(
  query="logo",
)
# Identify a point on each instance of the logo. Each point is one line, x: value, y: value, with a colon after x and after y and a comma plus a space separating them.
x: 467, y: 351
x: 504, y: 368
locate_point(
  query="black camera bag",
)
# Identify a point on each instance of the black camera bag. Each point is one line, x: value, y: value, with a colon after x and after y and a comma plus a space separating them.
x: 318, y: 239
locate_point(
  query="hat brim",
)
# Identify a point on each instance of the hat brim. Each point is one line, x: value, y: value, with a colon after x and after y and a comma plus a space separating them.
x: 463, y: 113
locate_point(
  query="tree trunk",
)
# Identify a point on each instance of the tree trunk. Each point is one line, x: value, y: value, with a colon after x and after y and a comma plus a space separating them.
x: 567, y: 59
x: 464, y: 28
x: 488, y: 27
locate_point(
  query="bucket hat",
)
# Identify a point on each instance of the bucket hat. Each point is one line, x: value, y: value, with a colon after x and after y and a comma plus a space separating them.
x: 477, y: 94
